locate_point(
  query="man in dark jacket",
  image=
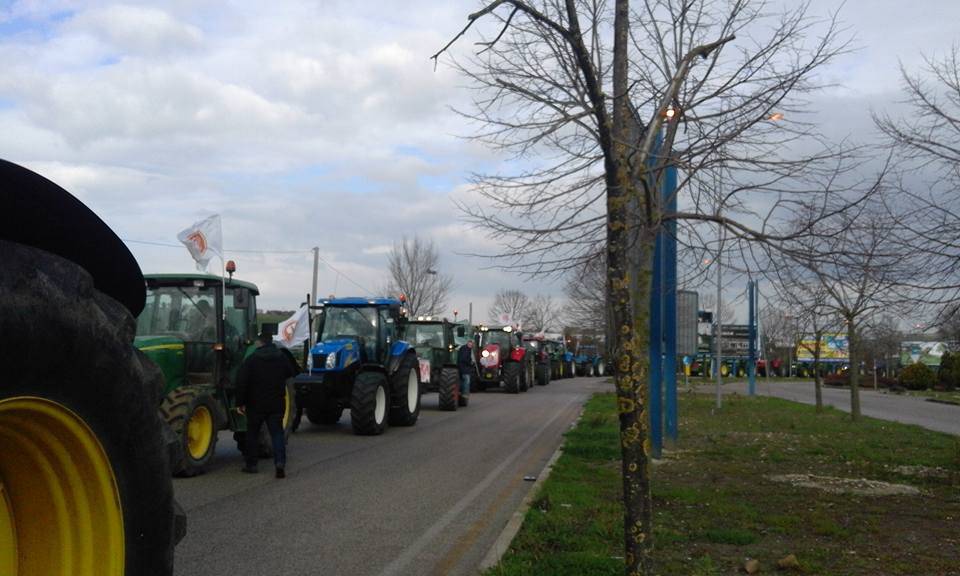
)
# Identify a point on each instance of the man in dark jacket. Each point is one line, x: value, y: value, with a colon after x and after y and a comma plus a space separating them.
x: 466, y: 368
x: 261, y: 385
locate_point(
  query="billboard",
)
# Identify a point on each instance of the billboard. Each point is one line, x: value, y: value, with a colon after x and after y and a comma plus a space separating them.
x: 929, y: 353
x: 833, y: 348
x: 735, y: 340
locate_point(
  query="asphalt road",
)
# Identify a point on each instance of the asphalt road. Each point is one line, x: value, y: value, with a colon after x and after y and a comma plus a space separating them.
x: 426, y: 500
x: 877, y: 404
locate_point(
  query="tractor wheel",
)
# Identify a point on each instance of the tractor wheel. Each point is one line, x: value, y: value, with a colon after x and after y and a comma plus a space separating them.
x: 511, y: 377
x: 325, y: 416
x: 724, y: 370
x: 85, y: 482
x: 526, y: 378
x: 449, y: 389
x: 542, y: 375
x: 405, y: 393
x: 369, y: 404
x: 191, y: 415
x: 601, y: 368
x: 572, y: 372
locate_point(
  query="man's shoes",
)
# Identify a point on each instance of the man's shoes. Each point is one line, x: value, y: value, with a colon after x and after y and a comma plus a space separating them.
x: 249, y: 469
x: 281, y: 473
x: 464, y: 399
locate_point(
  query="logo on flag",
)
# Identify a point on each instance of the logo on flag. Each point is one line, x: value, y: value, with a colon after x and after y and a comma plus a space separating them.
x: 203, y: 240
x: 294, y: 329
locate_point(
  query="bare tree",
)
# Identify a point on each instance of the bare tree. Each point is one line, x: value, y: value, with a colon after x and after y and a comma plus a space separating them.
x: 927, y: 141
x: 708, y: 301
x: 551, y: 86
x: 586, y: 293
x: 542, y: 315
x: 882, y: 337
x: 413, y: 267
x: 512, y: 304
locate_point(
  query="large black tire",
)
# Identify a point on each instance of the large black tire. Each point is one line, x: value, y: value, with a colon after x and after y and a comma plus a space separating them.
x: 543, y: 374
x: 369, y: 404
x: 449, y: 389
x: 572, y: 372
x: 70, y: 346
x: 405, y: 392
x: 178, y: 409
x: 324, y: 416
x: 511, y: 377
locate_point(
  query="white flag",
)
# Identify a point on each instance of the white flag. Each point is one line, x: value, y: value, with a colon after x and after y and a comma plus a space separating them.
x: 204, y: 240
x: 294, y: 329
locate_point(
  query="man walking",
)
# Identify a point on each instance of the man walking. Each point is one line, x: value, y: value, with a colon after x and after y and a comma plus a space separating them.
x: 261, y: 385
x: 466, y: 368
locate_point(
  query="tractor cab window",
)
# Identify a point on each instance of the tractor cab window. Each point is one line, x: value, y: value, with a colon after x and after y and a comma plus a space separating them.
x: 504, y: 339
x: 187, y: 312
x: 237, y: 317
x: 350, y: 323
x: 425, y: 335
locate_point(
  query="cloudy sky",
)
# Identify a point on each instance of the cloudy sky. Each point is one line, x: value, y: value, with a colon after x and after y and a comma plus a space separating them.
x: 305, y: 124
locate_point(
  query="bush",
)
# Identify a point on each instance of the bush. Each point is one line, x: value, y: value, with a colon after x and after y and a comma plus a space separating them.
x: 917, y: 377
x: 949, y: 375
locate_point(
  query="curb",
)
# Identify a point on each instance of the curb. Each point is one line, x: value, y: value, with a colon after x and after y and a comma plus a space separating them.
x: 502, y: 543
x: 939, y: 401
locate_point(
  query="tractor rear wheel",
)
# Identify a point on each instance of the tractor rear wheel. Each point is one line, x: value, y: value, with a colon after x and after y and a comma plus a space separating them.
x: 80, y: 437
x: 405, y: 392
x: 449, y: 389
x: 369, y: 404
x: 511, y: 377
x: 191, y: 414
x: 572, y: 372
x: 601, y: 368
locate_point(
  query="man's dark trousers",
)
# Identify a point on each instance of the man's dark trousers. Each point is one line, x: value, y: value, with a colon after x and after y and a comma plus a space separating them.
x: 252, y: 448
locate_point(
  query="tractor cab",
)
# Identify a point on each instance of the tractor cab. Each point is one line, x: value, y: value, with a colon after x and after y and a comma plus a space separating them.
x: 194, y: 329
x: 356, y: 331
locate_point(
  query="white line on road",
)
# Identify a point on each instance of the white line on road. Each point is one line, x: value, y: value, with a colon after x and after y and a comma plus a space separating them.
x: 411, y: 552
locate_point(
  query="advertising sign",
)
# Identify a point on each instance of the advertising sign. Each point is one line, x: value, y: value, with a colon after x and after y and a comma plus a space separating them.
x: 735, y: 340
x: 833, y: 348
x: 687, y: 304
x: 929, y: 353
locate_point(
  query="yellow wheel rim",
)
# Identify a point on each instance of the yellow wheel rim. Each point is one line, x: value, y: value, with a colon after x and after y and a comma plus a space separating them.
x: 199, y: 432
x: 724, y: 370
x: 286, y: 408
x: 60, y: 511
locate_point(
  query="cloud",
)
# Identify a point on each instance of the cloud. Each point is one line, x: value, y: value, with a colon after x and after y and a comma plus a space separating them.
x: 137, y: 30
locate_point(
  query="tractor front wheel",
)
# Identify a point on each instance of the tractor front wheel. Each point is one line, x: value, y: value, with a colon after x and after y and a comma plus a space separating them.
x: 511, y: 377
x: 191, y: 415
x: 369, y: 404
x: 543, y: 375
x: 449, y: 389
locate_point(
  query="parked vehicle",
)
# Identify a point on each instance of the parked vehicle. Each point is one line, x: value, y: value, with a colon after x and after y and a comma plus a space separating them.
x: 536, y: 345
x: 435, y: 343
x: 503, y: 360
x: 588, y: 361
x: 361, y: 362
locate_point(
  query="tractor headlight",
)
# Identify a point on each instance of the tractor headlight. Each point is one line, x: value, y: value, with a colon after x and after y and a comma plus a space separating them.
x: 331, y: 361
x: 485, y: 353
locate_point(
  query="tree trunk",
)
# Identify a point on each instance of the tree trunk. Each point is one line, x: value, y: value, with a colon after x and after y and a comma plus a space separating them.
x: 817, y: 384
x: 854, y: 349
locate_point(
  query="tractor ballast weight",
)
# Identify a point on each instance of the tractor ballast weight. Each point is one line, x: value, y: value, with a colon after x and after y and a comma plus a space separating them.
x: 84, y: 469
x: 361, y: 362
x: 199, y: 331
x: 435, y: 341
x: 503, y: 360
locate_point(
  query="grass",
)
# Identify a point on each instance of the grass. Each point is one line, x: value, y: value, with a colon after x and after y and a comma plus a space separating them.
x: 715, y: 504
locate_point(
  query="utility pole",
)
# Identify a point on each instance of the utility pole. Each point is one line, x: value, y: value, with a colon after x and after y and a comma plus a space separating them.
x: 312, y: 300
x: 719, y: 337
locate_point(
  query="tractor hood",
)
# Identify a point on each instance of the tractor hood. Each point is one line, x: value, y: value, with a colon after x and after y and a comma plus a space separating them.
x: 167, y: 352
x: 490, y: 355
x: 345, y: 351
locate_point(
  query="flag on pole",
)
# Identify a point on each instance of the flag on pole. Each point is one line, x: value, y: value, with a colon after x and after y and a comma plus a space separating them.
x: 203, y: 239
x: 294, y: 329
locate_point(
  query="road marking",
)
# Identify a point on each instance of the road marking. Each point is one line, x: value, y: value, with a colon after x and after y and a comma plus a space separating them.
x: 418, y: 545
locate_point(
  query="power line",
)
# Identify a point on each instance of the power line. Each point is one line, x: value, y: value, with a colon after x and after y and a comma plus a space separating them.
x: 247, y: 251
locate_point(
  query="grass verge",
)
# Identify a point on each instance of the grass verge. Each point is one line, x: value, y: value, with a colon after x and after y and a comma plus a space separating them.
x: 716, y: 502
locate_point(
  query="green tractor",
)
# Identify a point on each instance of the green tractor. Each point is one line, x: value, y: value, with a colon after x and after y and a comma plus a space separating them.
x: 198, y: 332
x: 435, y: 341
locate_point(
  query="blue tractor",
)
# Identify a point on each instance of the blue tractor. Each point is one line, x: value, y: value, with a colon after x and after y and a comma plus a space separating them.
x: 360, y: 361
x: 588, y: 361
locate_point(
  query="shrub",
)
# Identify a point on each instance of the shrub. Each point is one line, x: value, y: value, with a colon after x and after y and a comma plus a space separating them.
x: 949, y: 375
x: 917, y: 377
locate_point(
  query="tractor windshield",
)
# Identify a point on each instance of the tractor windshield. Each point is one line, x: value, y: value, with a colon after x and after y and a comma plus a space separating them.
x: 504, y: 339
x: 187, y: 312
x: 425, y: 335
x: 343, y: 322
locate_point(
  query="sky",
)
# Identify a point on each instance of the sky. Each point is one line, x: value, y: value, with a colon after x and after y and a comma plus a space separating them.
x: 305, y: 124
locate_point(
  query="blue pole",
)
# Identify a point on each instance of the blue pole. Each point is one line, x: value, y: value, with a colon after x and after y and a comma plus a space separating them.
x: 752, y: 359
x: 656, y: 338
x: 669, y: 232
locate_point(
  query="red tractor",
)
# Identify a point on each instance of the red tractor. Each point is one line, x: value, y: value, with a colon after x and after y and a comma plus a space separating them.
x: 503, y: 360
